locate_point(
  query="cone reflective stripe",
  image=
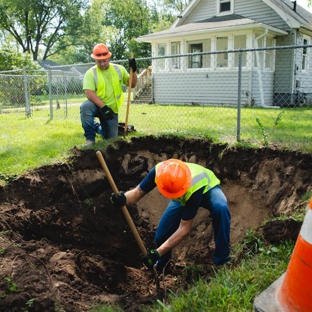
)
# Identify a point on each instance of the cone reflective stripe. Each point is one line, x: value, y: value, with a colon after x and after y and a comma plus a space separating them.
x: 295, y: 293
x: 292, y: 292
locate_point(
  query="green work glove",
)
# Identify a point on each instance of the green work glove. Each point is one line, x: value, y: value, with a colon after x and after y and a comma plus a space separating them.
x: 118, y: 200
x: 151, y: 258
x: 107, y: 112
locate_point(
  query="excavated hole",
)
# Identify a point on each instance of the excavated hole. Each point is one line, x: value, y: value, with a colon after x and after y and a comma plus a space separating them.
x: 68, y: 245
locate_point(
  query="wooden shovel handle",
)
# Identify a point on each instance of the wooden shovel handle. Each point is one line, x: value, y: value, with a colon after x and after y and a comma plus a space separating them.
x: 124, y: 208
x: 129, y: 95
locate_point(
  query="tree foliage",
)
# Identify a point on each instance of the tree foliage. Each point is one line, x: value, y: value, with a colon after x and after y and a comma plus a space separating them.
x: 38, y: 26
x: 130, y: 19
x: 177, y: 6
x: 10, y: 60
x: 67, y: 30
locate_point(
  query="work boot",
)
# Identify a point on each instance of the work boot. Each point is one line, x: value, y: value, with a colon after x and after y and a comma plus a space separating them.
x: 88, y: 143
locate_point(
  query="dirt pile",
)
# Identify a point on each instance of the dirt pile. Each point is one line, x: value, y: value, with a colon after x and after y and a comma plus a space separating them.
x: 63, y: 247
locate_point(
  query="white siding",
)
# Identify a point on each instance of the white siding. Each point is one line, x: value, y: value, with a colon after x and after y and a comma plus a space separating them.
x: 215, y: 88
x: 284, y: 62
x: 304, y: 78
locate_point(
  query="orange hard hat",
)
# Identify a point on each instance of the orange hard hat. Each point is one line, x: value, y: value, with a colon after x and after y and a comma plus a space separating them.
x: 101, y: 52
x: 173, y: 178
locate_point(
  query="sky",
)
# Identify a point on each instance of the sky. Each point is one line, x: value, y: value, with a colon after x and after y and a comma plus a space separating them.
x: 304, y: 4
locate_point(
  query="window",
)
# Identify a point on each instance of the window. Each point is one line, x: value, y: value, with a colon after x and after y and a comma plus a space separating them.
x: 264, y: 58
x: 305, y: 55
x: 225, y: 7
x: 222, y: 45
x: 175, y: 49
x: 240, y: 43
x: 195, y: 61
x: 201, y: 60
x: 161, y: 51
x: 269, y: 54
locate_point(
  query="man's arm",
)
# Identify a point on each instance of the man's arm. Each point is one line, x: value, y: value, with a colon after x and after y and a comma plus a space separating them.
x: 134, y: 80
x: 134, y: 195
x: 177, y: 237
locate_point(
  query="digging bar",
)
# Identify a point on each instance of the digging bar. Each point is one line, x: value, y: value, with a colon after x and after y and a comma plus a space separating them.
x: 124, y: 208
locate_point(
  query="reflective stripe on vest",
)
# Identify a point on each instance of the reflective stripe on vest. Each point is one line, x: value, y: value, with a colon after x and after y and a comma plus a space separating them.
x: 96, y: 75
x: 201, y: 177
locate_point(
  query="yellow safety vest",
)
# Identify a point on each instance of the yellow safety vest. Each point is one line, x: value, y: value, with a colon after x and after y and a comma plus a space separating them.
x: 116, y: 81
x: 201, y: 177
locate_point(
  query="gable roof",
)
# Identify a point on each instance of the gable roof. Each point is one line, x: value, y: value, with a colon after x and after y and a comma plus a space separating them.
x: 298, y: 19
x: 284, y: 8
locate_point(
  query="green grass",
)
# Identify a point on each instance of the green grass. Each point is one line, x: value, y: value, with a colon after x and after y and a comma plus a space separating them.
x: 26, y: 143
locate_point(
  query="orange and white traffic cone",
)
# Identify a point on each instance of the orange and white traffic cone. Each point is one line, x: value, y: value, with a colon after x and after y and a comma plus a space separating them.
x: 292, y: 292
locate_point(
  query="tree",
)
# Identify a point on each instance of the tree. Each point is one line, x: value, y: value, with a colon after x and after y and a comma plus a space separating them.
x: 129, y: 19
x: 177, y: 6
x: 39, y: 26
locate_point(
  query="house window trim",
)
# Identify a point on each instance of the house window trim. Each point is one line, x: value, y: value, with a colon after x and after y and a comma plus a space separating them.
x: 162, y: 63
x: 204, y: 62
x: 175, y: 61
x: 231, y: 11
x: 263, y: 54
x: 306, y: 68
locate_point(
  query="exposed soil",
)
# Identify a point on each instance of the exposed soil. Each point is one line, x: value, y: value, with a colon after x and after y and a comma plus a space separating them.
x: 64, y: 247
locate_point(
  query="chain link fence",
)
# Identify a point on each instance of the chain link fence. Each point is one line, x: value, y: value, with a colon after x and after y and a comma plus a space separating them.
x: 255, y: 95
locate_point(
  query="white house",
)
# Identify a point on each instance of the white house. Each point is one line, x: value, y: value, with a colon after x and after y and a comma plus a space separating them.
x: 269, y: 77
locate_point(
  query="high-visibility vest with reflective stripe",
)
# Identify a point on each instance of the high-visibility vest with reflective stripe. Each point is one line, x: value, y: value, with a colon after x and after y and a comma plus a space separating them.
x: 201, y: 177
x: 117, y: 82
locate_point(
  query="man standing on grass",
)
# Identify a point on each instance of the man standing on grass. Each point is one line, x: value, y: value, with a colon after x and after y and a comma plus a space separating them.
x: 189, y: 186
x: 103, y: 87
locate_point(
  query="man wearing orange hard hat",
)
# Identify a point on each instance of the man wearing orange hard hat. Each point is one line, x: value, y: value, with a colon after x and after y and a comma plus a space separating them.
x: 189, y: 186
x: 102, y: 85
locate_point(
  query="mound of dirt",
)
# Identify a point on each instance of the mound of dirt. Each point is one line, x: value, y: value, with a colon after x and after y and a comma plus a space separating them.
x: 64, y: 247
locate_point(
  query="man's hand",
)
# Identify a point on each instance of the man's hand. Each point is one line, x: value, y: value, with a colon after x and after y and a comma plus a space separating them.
x: 107, y: 112
x: 151, y: 258
x: 118, y: 200
x: 132, y: 64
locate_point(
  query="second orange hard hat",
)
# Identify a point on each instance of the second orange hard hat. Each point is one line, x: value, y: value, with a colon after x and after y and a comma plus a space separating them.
x: 173, y: 178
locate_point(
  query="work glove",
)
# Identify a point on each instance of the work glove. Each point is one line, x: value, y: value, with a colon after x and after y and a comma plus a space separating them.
x: 151, y: 258
x: 107, y: 112
x: 132, y: 64
x: 118, y: 200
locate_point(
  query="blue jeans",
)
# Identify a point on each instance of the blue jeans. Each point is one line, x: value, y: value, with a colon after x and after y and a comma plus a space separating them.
x: 106, y: 128
x: 215, y: 201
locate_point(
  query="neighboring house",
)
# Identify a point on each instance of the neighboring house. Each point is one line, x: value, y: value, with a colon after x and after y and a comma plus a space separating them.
x: 269, y: 78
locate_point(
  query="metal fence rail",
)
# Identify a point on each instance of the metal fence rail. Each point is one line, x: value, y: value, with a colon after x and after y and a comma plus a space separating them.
x: 222, y: 94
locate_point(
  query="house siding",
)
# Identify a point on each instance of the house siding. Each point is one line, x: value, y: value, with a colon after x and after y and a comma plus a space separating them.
x: 283, y: 76
x: 253, y: 9
x: 201, y: 88
x: 303, y: 78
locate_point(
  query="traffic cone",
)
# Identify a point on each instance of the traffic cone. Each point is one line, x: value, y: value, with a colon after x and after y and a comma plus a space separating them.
x: 292, y: 292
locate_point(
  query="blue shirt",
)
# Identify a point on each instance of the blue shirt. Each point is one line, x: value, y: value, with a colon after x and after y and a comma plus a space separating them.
x: 191, y: 206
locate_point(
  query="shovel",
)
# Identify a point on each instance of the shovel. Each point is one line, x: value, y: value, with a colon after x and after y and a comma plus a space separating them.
x: 124, y: 208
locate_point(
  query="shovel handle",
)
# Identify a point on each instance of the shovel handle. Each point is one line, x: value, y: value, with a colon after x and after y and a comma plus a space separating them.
x: 129, y: 94
x: 124, y: 208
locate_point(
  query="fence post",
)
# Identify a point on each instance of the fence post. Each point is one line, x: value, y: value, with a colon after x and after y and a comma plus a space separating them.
x: 26, y: 91
x: 239, y: 98
x: 50, y: 92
